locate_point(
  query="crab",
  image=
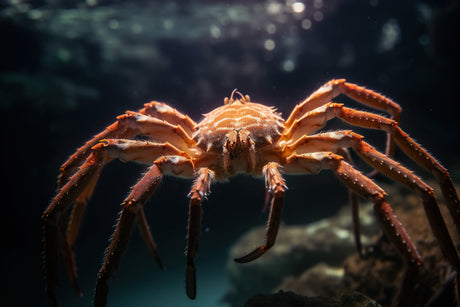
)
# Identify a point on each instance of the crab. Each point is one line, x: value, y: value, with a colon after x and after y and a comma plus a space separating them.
x: 244, y: 137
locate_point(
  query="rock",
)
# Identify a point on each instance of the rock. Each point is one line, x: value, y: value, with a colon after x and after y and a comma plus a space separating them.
x: 290, y: 299
x: 330, y: 263
x: 379, y: 275
x: 297, y: 248
x: 319, y: 280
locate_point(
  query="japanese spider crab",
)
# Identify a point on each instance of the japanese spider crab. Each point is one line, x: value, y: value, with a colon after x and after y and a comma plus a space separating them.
x: 243, y: 136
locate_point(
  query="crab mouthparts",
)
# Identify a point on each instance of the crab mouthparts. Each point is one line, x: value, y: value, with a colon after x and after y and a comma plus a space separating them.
x: 238, y: 141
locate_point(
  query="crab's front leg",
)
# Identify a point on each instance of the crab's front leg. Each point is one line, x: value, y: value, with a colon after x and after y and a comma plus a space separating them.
x: 200, y: 190
x: 275, y: 187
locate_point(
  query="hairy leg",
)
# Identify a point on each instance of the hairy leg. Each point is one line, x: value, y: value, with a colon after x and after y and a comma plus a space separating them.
x: 131, y: 206
x: 334, y: 141
x: 358, y: 93
x: 362, y: 185
x: 274, y: 183
x: 53, y: 218
x: 163, y: 111
x: 415, y: 151
x: 200, y: 190
x: 79, y: 188
x: 154, y: 115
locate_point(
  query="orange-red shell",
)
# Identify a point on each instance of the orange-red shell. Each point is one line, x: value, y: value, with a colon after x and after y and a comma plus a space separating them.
x: 263, y: 123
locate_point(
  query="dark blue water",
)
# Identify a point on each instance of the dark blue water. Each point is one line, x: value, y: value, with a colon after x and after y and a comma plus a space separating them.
x: 67, y: 69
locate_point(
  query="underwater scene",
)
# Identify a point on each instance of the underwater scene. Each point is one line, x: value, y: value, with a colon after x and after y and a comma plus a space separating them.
x: 68, y: 69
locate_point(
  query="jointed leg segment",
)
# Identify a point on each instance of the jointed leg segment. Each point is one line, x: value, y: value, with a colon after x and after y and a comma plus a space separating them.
x: 199, y: 191
x: 132, y: 205
x: 334, y: 141
x: 362, y: 185
x: 360, y: 94
x: 54, y: 216
x: 301, y: 152
x: 275, y: 186
x: 80, y: 187
x: 354, y: 203
x: 153, y: 115
x: 373, y: 121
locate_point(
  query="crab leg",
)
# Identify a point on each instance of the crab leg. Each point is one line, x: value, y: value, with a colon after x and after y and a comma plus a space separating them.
x: 275, y: 185
x: 143, y: 151
x: 79, y: 188
x: 73, y: 225
x: 362, y: 185
x: 132, y: 207
x: 117, y: 129
x: 79, y: 210
x: 162, y: 111
x: 369, y: 120
x: 360, y: 94
x: 53, y: 236
x: 125, y: 150
x: 158, y: 130
x: 147, y: 234
x: 399, y: 173
x: 129, y: 125
x: 412, y: 149
x: 333, y: 88
x: 354, y: 203
x: 140, y: 151
x: 333, y: 141
x: 423, y: 158
x: 200, y: 190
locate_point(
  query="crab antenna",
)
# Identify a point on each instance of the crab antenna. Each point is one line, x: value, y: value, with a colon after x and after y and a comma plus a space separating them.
x: 227, y: 101
x: 233, y: 92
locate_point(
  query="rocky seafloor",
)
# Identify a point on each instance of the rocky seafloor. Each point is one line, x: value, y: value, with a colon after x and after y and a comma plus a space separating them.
x: 318, y: 264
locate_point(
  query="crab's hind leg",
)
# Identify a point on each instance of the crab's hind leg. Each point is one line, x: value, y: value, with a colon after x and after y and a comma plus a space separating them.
x: 276, y: 187
x: 199, y: 191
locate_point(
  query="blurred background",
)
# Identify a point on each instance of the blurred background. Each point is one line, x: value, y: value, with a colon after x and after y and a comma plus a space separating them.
x: 68, y: 68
